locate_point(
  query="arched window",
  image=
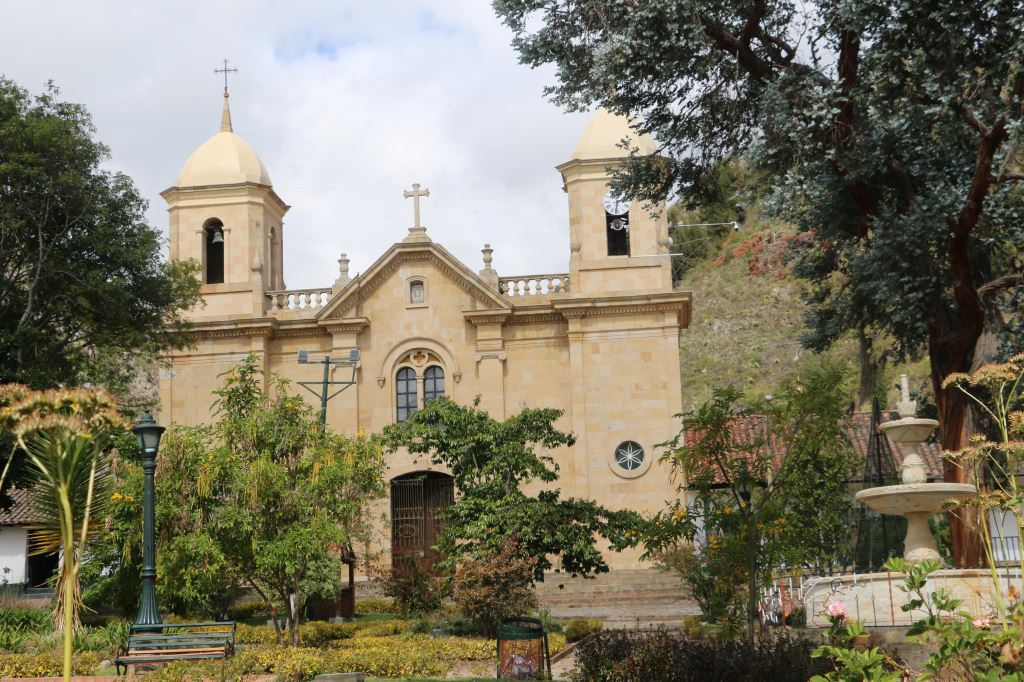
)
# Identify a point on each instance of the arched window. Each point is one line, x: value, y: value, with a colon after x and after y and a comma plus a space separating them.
x: 213, y: 235
x: 405, y: 393
x: 433, y: 383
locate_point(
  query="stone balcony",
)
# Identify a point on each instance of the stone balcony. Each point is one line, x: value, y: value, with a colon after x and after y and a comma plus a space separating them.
x: 533, y: 289
x: 297, y: 303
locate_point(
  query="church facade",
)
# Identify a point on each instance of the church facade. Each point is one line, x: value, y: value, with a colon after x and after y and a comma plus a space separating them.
x: 599, y: 341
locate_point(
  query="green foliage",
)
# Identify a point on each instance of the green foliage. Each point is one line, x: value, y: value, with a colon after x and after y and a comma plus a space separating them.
x: 491, y: 463
x: 889, y: 132
x: 721, y: 196
x: 490, y: 586
x: 963, y: 647
x: 25, y: 618
x: 411, y: 584
x: 579, y: 628
x: 766, y: 495
x: 265, y: 498
x: 85, y: 290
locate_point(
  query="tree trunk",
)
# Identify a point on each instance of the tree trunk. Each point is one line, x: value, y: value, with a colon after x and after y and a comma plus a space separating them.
x: 949, y: 353
x: 872, y: 369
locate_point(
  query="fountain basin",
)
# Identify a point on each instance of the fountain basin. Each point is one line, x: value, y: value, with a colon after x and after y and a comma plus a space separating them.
x: 919, y: 498
x: 917, y: 502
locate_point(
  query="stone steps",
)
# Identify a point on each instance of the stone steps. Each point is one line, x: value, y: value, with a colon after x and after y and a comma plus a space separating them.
x: 624, y: 598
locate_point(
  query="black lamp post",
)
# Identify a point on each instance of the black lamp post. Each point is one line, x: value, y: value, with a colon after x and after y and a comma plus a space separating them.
x: 148, y: 433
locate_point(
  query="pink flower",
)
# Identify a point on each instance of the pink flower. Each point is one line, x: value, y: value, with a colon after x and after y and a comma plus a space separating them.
x: 981, y: 622
x: 837, y: 609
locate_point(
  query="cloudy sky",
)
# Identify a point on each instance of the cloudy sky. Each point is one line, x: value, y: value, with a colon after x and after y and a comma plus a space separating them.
x: 347, y: 103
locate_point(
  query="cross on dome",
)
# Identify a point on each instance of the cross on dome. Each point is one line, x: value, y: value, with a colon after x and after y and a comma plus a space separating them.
x: 225, y: 117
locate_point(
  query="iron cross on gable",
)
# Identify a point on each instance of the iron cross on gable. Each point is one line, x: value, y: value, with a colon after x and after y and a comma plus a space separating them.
x: 415, y: 195
x: 225, y: 71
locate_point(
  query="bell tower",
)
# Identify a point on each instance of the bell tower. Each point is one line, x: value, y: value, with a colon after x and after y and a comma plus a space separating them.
x: 224, y: 214
x: 616, y: 245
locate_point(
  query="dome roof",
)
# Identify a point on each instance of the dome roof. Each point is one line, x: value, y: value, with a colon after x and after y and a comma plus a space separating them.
x: 602, y: 135
x: 224, y: 159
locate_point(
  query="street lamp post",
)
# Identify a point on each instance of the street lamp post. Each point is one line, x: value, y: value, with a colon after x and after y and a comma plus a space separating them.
x: 148, y: 433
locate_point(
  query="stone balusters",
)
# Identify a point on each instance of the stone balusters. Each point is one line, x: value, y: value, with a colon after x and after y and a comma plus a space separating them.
x: 310, y: 300
x: 533, y: 286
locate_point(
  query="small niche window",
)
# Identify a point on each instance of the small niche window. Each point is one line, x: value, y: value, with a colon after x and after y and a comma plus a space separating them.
x: 417, y: 292
x: 213, y: 237
x: 433, y: 383
x: 405, y: 393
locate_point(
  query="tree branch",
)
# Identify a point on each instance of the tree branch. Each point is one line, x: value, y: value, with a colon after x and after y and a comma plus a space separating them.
x: 999, y: 284
x: 903, y: 182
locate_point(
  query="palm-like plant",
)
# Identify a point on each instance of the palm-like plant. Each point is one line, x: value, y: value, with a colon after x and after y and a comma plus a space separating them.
x: 64, y: 435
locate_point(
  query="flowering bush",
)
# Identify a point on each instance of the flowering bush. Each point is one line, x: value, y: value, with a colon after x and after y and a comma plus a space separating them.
x: 45, y: 665
x: 967, y: 648
x: 391, y: 657
x: 377, y: 605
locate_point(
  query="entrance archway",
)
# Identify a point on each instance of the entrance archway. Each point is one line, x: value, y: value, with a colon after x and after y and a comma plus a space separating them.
x: 417, y: 500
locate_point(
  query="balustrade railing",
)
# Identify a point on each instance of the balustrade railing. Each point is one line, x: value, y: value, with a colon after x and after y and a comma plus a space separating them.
x: 533, y: 285
x: 298, y: 299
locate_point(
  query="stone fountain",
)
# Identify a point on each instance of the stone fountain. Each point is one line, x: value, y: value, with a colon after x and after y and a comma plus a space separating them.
x: 875, y: 598
x: 914, y: 498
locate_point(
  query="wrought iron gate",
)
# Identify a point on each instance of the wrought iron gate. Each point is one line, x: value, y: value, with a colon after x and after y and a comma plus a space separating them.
x: 417, y: 501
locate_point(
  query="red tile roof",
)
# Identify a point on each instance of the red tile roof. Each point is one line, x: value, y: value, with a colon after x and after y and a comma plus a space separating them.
x: 20, y: 512
x: 749, y: 429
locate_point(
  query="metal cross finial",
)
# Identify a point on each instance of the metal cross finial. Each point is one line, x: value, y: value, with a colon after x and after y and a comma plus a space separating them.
x: 225, y: 71
x: 415, y: 195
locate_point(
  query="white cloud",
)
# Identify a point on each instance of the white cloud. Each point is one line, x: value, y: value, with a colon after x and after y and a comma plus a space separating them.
x: 347, y: 103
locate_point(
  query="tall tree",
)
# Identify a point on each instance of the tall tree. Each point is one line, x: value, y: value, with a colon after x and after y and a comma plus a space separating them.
x: 491, y: 462
x: 85, y: 296
x: 891, y: 130
x: 83, y: 286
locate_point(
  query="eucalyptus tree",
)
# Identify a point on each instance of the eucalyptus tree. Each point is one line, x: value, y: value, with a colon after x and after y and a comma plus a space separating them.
x: 890, y: 129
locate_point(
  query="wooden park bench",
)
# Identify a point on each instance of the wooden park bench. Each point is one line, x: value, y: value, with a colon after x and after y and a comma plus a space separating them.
x: 151, y: 644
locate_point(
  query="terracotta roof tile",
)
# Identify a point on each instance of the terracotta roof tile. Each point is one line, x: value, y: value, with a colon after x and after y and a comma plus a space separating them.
x: 20, y: 512
x: 748, y: 429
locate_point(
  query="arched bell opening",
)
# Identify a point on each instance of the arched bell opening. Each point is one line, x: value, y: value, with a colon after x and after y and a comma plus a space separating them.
x: 213, y: 251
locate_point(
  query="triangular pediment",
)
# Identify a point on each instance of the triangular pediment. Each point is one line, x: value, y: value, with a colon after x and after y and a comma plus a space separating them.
x: 362, y: 287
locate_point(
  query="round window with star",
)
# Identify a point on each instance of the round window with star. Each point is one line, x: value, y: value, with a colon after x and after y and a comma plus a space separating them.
x: 629, y: 459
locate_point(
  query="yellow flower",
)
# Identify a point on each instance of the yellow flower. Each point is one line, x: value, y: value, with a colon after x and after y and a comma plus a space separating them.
x: 116, y: 496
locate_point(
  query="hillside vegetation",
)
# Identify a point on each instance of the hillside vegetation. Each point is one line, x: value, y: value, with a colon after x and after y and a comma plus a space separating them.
x: 747, y: 307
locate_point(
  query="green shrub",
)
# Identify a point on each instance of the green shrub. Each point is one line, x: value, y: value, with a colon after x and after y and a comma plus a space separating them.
x: 376, y: 605
x: 578, y: 628
x: 411, y: 583
x: 26, y: 618
x: 661, y: 656
x: 45, y: 665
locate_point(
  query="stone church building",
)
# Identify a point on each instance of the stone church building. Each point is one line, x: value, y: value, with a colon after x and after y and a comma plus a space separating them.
x: 599, y: 341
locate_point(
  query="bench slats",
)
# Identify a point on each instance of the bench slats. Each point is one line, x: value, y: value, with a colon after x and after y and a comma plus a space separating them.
x: 213, y: 641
